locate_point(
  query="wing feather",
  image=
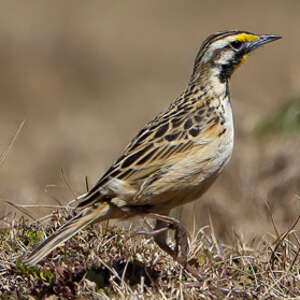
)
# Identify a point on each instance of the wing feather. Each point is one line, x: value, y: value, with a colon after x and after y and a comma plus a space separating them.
x: 159, y: 145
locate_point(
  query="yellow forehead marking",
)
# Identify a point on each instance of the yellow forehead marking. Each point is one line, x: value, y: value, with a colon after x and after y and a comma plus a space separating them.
x: 246, y: 37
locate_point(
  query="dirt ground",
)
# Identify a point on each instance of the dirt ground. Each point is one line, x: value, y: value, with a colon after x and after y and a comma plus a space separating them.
x: 85, y: 76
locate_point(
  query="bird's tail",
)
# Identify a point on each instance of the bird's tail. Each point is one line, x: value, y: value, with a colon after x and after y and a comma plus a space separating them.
x: 87, y: 216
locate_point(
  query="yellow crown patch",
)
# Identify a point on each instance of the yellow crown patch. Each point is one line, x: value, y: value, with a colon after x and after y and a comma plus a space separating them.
x: 246, y: 37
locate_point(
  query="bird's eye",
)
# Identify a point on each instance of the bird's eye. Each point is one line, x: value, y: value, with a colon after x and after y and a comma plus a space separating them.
x: 236, y: 45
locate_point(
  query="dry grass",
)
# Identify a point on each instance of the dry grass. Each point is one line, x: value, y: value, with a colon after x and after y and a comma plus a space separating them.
x: 105, y: 262
x: 88, y: 81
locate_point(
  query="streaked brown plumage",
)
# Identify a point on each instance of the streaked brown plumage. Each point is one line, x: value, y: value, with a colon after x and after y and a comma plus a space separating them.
x: 177, y: 156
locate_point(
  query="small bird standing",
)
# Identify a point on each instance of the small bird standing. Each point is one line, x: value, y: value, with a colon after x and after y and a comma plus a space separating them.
x: 176, y: 157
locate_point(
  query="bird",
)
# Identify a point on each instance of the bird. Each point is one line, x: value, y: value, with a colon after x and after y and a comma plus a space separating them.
x: 174, y: 158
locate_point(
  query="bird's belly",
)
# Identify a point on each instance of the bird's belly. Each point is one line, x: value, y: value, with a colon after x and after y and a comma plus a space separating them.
x: 199, y: 175
x: 190, y: 177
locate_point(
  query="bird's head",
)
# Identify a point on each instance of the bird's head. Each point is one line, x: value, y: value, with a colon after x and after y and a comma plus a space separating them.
x: 224, y: 52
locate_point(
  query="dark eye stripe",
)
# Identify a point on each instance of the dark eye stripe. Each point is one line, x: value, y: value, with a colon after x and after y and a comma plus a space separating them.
x: 236, y: 44
x: 132, y: 158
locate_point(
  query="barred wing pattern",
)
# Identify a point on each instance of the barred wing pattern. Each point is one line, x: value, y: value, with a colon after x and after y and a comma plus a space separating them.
x: 184, y: 127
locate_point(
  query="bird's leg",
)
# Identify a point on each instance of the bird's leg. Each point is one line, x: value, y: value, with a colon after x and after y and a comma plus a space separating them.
x: 153, y: 230
x: 152, y: 233
x: 179, y: 253
x: 159, y: 232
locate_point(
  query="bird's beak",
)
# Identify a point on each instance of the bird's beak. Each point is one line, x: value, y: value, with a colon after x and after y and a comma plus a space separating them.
x: 262, y: 39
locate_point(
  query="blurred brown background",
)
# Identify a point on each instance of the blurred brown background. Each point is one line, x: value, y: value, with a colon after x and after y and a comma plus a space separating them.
x: 86, y: 75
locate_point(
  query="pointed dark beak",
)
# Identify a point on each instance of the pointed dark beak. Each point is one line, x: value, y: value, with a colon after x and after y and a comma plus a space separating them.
x: 263, y: 39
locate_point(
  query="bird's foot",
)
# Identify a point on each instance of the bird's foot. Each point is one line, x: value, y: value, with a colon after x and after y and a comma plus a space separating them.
x: 181, y: 249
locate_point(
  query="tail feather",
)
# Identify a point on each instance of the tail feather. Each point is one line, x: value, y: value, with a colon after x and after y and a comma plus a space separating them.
x: 79, y: 222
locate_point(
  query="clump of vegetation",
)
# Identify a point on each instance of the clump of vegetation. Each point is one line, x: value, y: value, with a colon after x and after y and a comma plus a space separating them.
x: 104, y: 262
x: 285, y: 121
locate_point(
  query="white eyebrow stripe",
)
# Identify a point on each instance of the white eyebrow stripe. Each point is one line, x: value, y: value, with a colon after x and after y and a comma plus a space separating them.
x: 217, y: 45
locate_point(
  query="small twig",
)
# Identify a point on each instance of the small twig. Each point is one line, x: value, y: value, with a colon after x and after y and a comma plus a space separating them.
x: 281, y: 239
x: 213, y: 235
x: 272, y: 219
x: 294, y: 260
x: 233, y: 291
x: 67, y: 182
x: 4, y: 154
x: 86, y: 183
x: 19, y: 208
x: 41, y: 206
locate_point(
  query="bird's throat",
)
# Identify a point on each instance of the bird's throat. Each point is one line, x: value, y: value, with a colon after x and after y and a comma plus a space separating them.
x: 216, y: 83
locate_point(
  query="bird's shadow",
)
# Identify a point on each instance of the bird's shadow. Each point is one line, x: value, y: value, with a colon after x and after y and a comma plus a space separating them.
x: 132, y: 272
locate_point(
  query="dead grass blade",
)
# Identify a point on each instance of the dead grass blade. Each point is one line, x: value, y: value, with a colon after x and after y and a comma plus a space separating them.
x: 4, y: 155
x: 281, y: 239
x: 272, y: 219
x: 19, y: 208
